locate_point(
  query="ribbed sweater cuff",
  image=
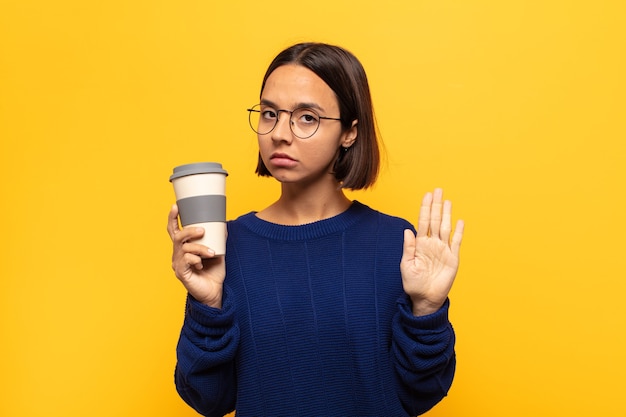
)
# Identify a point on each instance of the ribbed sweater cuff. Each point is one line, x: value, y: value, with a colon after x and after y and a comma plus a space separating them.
x: 431, y: 323
x: 209, y: 320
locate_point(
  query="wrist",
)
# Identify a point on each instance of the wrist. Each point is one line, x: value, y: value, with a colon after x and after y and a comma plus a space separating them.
x: 424, y: 308
x: 215, y: 302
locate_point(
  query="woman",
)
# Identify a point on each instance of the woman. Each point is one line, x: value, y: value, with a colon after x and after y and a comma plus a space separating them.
x: 321, y: 306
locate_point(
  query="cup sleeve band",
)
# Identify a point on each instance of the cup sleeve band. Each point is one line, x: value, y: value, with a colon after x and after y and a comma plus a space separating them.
x: 202, y: 209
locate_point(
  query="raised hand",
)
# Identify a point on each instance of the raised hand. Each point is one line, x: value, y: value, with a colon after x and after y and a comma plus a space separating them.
x: 196, y: 266
x: 430, y: 260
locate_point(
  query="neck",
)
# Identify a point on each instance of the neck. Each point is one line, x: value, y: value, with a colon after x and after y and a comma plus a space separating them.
x: 298, y: 206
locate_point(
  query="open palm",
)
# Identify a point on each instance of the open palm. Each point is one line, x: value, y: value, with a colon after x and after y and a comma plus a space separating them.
x: 430, y: 260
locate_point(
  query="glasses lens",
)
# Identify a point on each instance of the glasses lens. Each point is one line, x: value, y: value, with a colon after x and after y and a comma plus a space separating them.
x: 304, y: 122
x: 262, y: 119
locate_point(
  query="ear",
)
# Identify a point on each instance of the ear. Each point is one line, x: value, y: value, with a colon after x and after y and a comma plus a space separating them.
x: 349, y: 136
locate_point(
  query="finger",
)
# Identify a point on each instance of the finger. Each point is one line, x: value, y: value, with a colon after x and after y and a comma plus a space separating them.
x: 192, y: 261
x: 446, y: 222
x: 187, y: 234
x: 198, y: 249
x: 457, y: 237
x: 172, y: 222
x: 408, y: 252
x: 424, y: 220
x: 435, y: 212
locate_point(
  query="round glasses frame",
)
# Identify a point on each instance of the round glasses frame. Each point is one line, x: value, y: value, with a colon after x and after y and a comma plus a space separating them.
x: 255, y: 111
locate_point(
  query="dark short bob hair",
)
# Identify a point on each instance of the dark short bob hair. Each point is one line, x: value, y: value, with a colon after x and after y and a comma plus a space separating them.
x: 356, y: 167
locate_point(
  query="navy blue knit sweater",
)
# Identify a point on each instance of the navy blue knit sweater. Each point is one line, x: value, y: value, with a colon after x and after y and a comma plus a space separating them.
x: 314, y: 322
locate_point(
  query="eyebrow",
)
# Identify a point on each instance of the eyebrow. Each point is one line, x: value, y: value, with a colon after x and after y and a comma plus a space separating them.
x: 308, y: 105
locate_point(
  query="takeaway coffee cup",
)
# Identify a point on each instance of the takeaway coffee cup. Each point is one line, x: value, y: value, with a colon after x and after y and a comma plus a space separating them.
x: 200, y: 196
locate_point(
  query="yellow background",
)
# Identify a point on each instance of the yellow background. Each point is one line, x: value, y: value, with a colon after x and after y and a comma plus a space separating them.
x: 515, y: 108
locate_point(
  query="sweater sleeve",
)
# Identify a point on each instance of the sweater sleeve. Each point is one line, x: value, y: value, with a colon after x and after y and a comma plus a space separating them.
x: 423, y: 355
x: 205, y: 371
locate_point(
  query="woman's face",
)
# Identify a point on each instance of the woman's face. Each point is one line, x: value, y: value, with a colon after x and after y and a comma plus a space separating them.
x: 289, y: 158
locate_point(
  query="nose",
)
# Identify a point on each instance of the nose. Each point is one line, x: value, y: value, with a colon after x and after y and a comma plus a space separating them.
x: 282, y: 130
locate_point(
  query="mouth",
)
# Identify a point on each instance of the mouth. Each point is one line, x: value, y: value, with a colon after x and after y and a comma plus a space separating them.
x: 280, y: 155
x: 280, y: 159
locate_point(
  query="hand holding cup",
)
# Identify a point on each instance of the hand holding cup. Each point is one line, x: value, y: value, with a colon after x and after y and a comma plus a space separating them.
x: 198, y: 247
x: 195, y: 265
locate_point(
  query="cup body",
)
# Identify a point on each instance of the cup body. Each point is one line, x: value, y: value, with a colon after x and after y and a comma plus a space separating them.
x: 200, y: 190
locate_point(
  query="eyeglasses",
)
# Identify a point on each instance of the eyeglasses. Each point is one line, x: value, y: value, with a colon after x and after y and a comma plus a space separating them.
x: 303, y: 122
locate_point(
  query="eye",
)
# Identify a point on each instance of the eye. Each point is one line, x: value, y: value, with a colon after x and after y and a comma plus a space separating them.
x: 306, y: 117
x: 268, y: 114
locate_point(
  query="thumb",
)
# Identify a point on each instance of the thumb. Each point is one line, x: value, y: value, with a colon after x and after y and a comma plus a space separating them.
x: 172, y: 221
x: 408, y: 252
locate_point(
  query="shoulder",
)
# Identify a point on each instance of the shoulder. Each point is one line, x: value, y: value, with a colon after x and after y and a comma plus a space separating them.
x: 384, y: 220
x: 243, y: 218
x: 241, y: 221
